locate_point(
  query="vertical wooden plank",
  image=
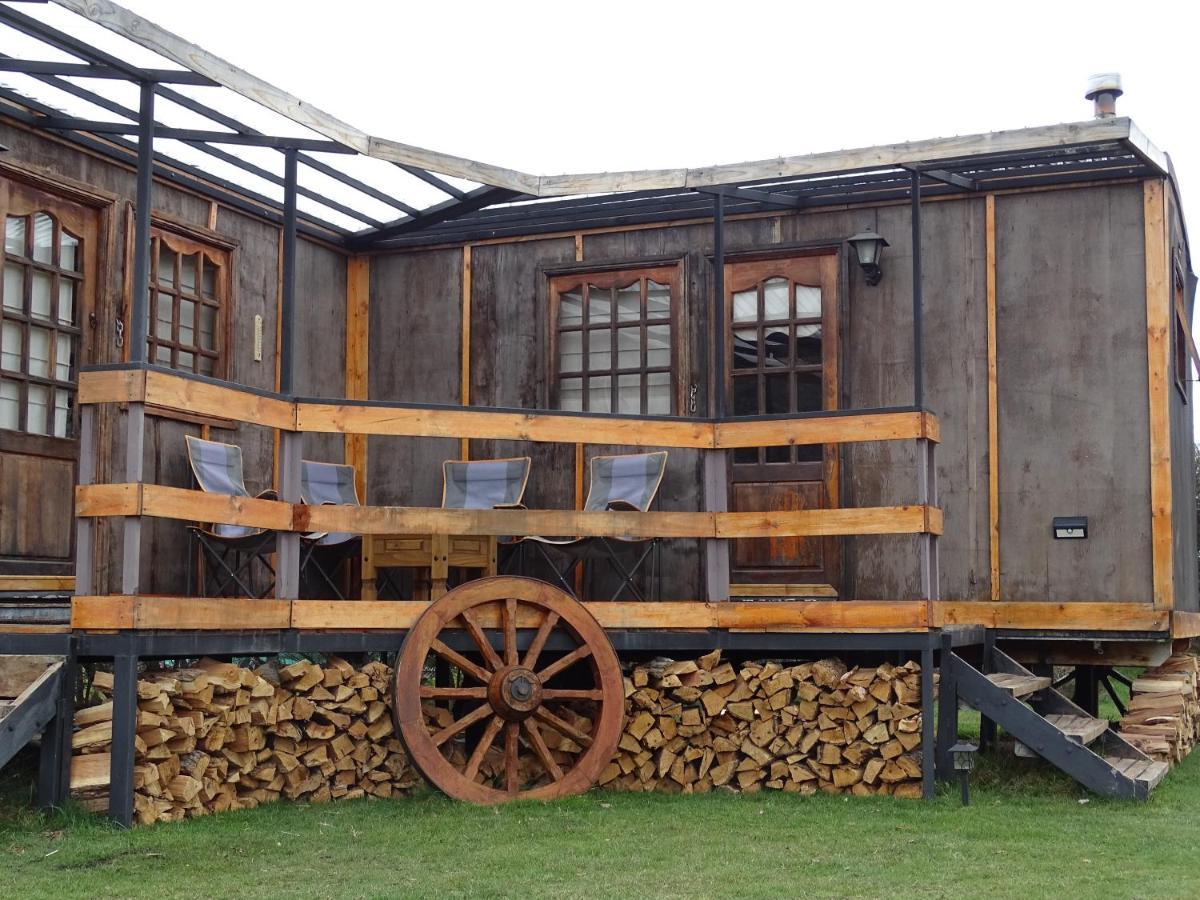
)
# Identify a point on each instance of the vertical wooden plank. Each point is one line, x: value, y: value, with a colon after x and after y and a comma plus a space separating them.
x: 212, y: 215
x: 993, y: 408
x: 465, y: 444
x: 1158, y: 355
x: 358, y: 317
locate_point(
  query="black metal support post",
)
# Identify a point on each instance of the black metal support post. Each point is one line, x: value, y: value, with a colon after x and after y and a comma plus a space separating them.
x: 124, y: 730
x: 987, y: 727
x: 1087, y: 689
x: 928, y: 740
x: 947, y: 713
x: 54, y: 766
x: 716, y: 486
x: 918, y: 349
x: 291, y: 445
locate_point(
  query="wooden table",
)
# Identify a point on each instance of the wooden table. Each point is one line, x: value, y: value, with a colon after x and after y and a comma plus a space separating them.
x: 433, y: 554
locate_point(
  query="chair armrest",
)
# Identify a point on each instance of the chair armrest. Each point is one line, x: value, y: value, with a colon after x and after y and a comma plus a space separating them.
x: 621, y: 506
x: 510, y: 506
x: 268, y: 494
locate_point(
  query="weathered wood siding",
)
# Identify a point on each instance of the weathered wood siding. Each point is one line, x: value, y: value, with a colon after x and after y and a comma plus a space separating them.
x: 1183, y: 480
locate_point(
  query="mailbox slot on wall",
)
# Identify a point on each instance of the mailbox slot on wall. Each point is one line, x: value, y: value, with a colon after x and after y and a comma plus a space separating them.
x: 1070, y: 528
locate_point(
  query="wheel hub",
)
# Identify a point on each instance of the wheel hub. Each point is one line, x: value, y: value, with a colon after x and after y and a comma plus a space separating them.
x: 515, y: 692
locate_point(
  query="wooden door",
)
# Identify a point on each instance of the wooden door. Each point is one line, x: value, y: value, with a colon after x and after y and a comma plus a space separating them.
x: 782, y: 359
x: 47, y: 296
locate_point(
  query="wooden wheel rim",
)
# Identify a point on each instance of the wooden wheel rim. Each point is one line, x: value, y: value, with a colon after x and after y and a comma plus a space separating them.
x: 571, y: 616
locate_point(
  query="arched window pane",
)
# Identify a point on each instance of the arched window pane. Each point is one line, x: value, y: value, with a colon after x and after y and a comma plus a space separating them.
x: 43, y: 238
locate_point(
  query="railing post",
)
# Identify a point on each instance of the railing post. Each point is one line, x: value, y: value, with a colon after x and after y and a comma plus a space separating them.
x: 291, y: 443
x: 85, y: 528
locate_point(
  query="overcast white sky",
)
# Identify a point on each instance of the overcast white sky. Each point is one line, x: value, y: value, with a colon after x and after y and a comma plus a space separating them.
x: 550, y: 87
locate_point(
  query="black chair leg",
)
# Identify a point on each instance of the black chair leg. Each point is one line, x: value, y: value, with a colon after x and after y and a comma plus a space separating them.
x: 627, y: 576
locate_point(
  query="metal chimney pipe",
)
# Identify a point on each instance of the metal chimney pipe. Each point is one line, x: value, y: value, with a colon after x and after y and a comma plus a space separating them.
x: 1104, y: 89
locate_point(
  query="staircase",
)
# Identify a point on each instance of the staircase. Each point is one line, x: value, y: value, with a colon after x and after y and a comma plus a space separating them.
x: 29, y: 690
x: 1047, y: 724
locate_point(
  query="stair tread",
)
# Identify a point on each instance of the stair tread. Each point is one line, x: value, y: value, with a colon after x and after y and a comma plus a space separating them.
x: 1019, y: 685
x: 1148, y: 771
x: 1082, y: 728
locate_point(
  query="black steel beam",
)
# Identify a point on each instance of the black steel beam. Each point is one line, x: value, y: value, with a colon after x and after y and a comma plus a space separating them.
x: 967, y: 184
x: 767, y: 198
x: 476, y: 199
x: 91, y: 70
x: 716, y: 328
x: 139, y: 305
x: 287, y: 308
x: 193, y: 135
x: 429, y: 178
x: 124, y: 730
x: 917, y: 304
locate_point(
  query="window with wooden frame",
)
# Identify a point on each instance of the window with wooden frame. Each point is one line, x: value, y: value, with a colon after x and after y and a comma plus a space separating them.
x: 39, y: 343
x: 1181, y: 345
x: 189, y: 305
x: 612, y: 341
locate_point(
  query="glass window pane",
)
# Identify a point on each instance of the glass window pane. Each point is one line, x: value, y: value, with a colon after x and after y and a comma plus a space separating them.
x: 10, y: 347
x: 775, y: 299
x: 187, y: 272
x: 14, y: 287
x: 164, y: 311
x: 39, y: 352
x: 658, y: 300
x: 808, y: 453
x: 745, y: 306
x: 166, y: 265
x: 629, y: 394
x: 777, y: 349
x: 629, y: 348
x: 629, y: 303
x: 658, y: 393
x: 62, y: 357
x: 14, y: 235
x: 37, y: 399
x: 62, y: 413
x: 10, y: 404
x: 746, y: 455
x: 600, y: 394
x: 570, y: 309
x: 43, y: 238
x: 39, y: 296
x: 68, y: 252
x: 777, y: 393
x: 808, y: 345
x: 210, y: 280
x: 570, y: 351
x: 745, y: 395
x: 204, y: 365
x: 778, y: 454
x: 183, y: 360
x: 66, y: 301
x: 599, y: 350
x: 187, y: 321
x: 808, y: 302
x: 599, y: 304
x: 658, y: 345
x: 570, y: 394
x: 808, y: 392
x: 162, y: 355
x: 745, y: 348
x: 208, y: 327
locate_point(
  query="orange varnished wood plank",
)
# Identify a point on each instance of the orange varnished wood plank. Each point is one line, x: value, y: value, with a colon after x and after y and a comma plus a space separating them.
x: 1079, y: 616
x: 102, y: 613
x: 1158, y: 353
x: 222, y: 401
x: 1185, y: 624
x: 872, y: 520
x: 123, y: 386
x: 827, y: 430
x: 93, y: 500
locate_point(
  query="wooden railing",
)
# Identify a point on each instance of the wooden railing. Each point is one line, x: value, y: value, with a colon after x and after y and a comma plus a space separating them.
x: 145, y: 389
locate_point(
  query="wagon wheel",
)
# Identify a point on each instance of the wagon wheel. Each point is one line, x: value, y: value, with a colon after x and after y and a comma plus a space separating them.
x: 537, y: 719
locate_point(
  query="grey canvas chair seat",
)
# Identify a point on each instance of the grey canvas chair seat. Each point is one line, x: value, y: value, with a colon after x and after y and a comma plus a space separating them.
x: 328, y: 484
x: 231, y: 549
x: 625, y: 483
x: 484, y: 483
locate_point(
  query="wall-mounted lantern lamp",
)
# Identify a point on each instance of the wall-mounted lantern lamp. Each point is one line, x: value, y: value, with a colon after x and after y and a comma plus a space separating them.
x: 963, y: 754
x: 868, y: 247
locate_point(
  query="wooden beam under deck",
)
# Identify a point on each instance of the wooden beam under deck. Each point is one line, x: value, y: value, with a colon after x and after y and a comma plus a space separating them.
x: 107, y: 613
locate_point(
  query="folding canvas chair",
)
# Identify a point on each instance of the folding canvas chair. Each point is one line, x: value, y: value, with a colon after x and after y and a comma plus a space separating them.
x: 629, y: 483
x: 230, y: 550
x: 484, y: 483
x: 324, y: 552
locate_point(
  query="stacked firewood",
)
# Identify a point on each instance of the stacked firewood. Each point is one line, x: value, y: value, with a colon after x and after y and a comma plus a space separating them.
x: 697, y: 725
x: 219, y: 736
x: 1163, y: 717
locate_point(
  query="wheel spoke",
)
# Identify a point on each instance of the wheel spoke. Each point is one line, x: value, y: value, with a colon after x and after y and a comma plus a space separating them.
x: 481, y: 641
x: 571, y: 694
x: 510, y: 632
x: 540, y: 748
x: 476, y: 715
x: 485, y: 742
x: 562, y: 727
x: 539, y: 639
x: 453, y: 693
x: 468, y: 667
x: 512, y: 772
x: 566, y: 662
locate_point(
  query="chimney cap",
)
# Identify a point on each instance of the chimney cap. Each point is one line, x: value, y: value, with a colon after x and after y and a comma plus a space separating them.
x: 1104, y: 83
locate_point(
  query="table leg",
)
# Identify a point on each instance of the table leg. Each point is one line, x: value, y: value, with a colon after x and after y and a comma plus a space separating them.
x: 439, y: 565
x: 368, y: 591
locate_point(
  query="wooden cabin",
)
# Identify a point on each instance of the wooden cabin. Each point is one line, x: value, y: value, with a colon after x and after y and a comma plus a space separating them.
x: 1028, y: 316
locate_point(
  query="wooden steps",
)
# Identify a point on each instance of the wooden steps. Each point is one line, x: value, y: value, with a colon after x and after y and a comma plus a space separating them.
x: 4, y: 708
x: 1081, y: 729
x: 1019, y: 685
x: 1147, y: 772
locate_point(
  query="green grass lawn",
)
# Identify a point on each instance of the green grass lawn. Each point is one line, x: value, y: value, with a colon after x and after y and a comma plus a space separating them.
x: 1028, y: 833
